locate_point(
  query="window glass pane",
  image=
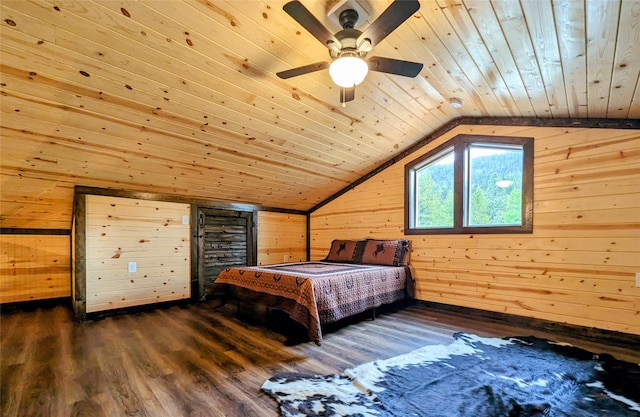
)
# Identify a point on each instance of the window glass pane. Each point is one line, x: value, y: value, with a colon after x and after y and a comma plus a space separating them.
x: 494, y: 188
x: 434, y: 191
x: 489, y: 188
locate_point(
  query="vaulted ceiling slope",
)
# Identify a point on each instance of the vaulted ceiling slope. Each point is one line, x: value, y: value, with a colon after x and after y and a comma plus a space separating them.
x: 181, y: 97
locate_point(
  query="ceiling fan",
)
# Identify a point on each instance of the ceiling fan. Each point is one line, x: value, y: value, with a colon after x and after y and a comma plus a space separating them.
x: 349, y: 47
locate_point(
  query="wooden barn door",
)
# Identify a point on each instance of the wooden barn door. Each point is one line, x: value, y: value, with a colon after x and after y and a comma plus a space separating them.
x: 225, y: 238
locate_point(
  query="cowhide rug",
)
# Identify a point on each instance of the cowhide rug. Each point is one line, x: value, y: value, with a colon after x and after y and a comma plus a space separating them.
x: 473, y: 376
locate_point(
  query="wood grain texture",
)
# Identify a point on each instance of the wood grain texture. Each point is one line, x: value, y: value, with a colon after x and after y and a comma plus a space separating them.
x: 579, y: 264
x: 182, y: 97
x: 34, y: 267
x: 196, y: 361
x: 282, y: 237
x: 31, y: 271
x: 154, y: 235
x: 226, y: 239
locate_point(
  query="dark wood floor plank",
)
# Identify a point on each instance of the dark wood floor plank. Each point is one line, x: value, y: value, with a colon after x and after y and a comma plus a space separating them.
x: 44, y: 378
x: 199, y: 361
x: 180, y: 399
x: 10, y: 391
x: 115, y: 373
x: 87, y: 408
x: 221, y: 396
x: 13, y: 346
x: 10, y: 339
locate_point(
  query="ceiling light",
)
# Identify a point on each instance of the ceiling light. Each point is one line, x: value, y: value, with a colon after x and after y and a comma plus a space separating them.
x: 348, y: 71
x: 456, y: 103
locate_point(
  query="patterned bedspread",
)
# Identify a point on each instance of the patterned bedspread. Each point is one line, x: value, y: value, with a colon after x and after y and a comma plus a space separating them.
x: 315, y: 293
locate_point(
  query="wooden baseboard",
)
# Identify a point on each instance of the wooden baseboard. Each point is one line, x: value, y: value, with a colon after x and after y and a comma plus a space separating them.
x: 30, y: 305
x: 137, y: 309
x: 626, y: 340
x: 66, y: 301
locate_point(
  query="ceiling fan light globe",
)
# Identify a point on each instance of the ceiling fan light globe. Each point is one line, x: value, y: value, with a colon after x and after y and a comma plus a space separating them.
x: 348, y: 71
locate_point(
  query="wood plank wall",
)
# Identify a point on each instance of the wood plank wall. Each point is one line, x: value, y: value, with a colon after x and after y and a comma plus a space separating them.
x: 34, y: 267
x: 153, y: 234
x: 38, y: 267
x: 282, y: 237
x: 577, y: 267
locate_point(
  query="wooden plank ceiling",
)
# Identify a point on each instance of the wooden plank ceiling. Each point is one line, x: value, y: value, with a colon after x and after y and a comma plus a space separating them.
x: 181, y: 97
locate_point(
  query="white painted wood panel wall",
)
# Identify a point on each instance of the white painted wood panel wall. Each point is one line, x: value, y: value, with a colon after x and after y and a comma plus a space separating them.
x: 577, y: 267
x: 153, y: 234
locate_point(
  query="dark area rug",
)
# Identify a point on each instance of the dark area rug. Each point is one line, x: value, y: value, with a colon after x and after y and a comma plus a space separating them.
x: 473, y: 376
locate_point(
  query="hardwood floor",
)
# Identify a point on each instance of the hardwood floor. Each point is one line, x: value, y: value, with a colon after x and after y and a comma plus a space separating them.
x: 197, y: 361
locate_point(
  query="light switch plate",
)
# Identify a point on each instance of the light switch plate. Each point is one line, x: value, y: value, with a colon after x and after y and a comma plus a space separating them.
x: 132, y: 267
x: 637, y: 279
x: 185, y: 219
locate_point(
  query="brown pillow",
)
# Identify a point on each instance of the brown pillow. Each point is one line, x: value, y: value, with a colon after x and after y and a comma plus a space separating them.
x: 345, y: 250
x: 385, y: 252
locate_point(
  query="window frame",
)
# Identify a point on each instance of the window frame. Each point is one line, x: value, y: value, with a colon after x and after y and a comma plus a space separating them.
x: 459, y: 144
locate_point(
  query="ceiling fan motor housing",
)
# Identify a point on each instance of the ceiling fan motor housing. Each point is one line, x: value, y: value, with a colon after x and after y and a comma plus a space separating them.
x: 348, y: 19
x: 348, y: 37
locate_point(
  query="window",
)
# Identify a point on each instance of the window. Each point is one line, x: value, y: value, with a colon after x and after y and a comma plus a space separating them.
x: 471, y: 184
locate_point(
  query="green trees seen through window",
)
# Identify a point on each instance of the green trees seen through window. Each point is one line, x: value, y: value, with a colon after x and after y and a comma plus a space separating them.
x: 471, y: 184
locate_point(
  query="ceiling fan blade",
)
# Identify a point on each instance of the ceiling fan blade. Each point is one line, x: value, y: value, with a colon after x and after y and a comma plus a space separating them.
x: 394, y: 66
x: 347, y: 94
x: 389, y: 20
x: 308, y: 21
x: 306, y: 69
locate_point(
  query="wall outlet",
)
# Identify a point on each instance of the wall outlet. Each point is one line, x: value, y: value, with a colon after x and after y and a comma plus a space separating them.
x: 286, y: 258
x: 132, y: 267
x: 637, y: 279
x: 185, y: 219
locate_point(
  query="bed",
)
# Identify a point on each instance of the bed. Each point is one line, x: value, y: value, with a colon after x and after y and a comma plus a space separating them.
x: 356, y: 276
